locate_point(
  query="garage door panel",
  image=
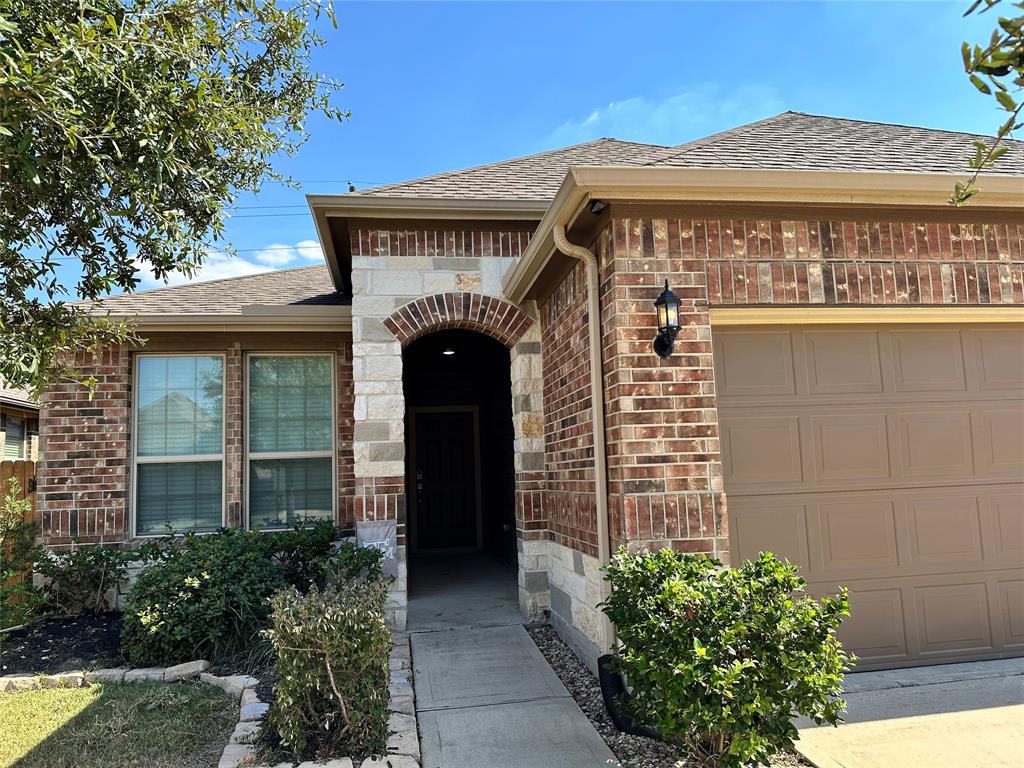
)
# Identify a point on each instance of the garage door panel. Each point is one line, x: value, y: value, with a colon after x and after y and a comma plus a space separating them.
x: 1004, y: 527
x: 935, y: 443
x: 855, y: 536
x: 903, y: 480
x: 944, y: 530
x: 758, y: 450
x: 755, y: 363
x: 927, y: 360
x: 780, y: 529
x: 999, y: 440
x: 842, y: 362
x: 875, y: 627
x: 953, y: 617
x: 1010, y: 599
x: 997, y: 356
x: 850, y: 446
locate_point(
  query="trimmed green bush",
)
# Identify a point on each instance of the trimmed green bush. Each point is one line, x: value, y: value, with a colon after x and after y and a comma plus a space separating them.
x: 721, y: 660
x: 332, y: 646
x: 204, y: 599
x: 206, y: 596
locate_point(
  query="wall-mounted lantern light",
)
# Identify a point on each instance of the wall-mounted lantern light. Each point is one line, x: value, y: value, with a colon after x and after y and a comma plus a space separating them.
x: 668, y: 322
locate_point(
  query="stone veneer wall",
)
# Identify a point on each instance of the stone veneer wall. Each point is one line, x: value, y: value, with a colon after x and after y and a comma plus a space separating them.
x: 84, y: 470
x: 408, y: 282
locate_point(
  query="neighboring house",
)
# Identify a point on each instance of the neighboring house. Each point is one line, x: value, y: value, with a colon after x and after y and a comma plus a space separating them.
x: 849, y: 372
x: 19, y: 425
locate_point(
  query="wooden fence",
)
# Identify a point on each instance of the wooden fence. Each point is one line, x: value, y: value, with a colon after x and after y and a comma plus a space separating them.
x: 25, y: 473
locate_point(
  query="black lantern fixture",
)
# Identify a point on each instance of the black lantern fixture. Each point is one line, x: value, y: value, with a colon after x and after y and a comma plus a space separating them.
x: 668, y: 322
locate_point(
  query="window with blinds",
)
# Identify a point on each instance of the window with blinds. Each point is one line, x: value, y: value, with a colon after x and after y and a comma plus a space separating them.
x: 14, y: 438
x: 290, y: 440
x: 179, y: 444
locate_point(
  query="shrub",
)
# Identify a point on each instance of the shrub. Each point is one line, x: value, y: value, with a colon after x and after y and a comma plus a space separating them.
x: 207, y: 596
x: 204, y: 598
x: 722, y: 660
x: 77, y: 580
x: 331, y: 695
x: 18, y: 551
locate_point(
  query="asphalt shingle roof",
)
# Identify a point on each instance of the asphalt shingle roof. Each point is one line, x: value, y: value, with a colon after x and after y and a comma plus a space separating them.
x: 12, y: 396
x: 305, y: 286
x: 797, y: 141
x: 534, y: 177
x: 790, y: 141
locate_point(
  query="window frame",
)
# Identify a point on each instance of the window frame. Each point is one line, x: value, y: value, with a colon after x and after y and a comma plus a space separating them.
x: 23, y: 451
x: 188, y: 459
x: 248, y: 456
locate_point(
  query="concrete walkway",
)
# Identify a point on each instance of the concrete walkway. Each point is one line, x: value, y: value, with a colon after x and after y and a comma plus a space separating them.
x: 948, y: 716
x: 485, y: 696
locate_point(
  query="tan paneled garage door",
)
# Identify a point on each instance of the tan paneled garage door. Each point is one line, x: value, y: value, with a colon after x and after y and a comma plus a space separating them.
x: 889, y: 460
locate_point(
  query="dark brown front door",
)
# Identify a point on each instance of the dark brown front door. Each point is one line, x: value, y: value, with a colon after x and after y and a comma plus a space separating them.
x: 444, y: 474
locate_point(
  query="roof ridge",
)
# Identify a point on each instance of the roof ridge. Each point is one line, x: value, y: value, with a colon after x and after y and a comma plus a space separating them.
x: 204, y: 283
x: 900, y: 125
x: 737, y: 130
x: 495, y: 164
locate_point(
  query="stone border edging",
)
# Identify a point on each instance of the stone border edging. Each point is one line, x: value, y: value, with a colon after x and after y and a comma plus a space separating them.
x: 403, y: 746
x: 242, y: 688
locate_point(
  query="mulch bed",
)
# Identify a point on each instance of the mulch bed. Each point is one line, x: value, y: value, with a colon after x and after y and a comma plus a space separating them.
x: 62, y: 645
x: 94, y: 642
x: 631, y: 751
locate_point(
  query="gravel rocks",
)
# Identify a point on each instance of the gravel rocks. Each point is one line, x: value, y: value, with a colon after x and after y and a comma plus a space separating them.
x: 632, y: 751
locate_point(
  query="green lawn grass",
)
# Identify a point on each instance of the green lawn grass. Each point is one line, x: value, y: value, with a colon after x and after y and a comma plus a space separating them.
x: 136, y: 725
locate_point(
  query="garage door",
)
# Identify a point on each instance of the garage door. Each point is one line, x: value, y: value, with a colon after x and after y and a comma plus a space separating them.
x: 889, y: 460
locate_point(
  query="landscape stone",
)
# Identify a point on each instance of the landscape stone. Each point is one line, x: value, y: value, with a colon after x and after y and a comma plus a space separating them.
x: 253, y: 712
x: 63, y: 680
x: 144, y: 673
x: 185, y: 671
x: 246, y: 733
x: 235, y: 755
x: 390, y: 761
x: 249, y: 696
x: 18, y: 683
x: 109, y: 675
x: 402, y: 704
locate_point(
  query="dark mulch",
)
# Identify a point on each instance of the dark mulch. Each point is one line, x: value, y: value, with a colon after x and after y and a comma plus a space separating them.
x: 62, y: 645
x: 94, y: 642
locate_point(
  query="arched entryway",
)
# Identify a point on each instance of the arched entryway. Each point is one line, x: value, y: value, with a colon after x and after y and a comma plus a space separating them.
x: 460, y: 478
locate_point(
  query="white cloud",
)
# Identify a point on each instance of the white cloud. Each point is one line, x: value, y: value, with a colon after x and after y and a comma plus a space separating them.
x: 275, y: 255
x: 218, y: 264
x: 674, y: 119
x: 309, y: 249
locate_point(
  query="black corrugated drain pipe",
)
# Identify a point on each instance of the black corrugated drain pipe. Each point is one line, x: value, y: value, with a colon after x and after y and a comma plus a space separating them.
x: 614, y: 692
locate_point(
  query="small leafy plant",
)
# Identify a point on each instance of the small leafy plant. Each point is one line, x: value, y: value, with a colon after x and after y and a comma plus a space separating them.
x: 80, y: 579
x: 18, y: 551
x: 331, y: 695
x: 721, y: 660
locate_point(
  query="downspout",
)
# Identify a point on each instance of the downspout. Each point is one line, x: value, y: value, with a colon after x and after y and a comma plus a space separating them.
x: 597, y: 405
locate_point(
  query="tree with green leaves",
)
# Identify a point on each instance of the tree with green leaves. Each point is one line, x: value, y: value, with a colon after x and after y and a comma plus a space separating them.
x: 128, y: 129
x: 997, y: 70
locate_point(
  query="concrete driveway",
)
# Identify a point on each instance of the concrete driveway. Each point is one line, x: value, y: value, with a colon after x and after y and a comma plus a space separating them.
x: 949, y: 716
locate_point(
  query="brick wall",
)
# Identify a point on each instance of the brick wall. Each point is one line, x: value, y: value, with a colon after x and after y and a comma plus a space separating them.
x: 665, y: 479
x: 84, y: 472
x: 569, y: 498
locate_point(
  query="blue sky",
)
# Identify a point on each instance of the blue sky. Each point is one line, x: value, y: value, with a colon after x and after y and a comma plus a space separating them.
x: 438, y: 86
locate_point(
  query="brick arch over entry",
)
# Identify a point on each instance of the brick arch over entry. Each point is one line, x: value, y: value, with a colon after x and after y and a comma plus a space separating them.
x: 489, y: 315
